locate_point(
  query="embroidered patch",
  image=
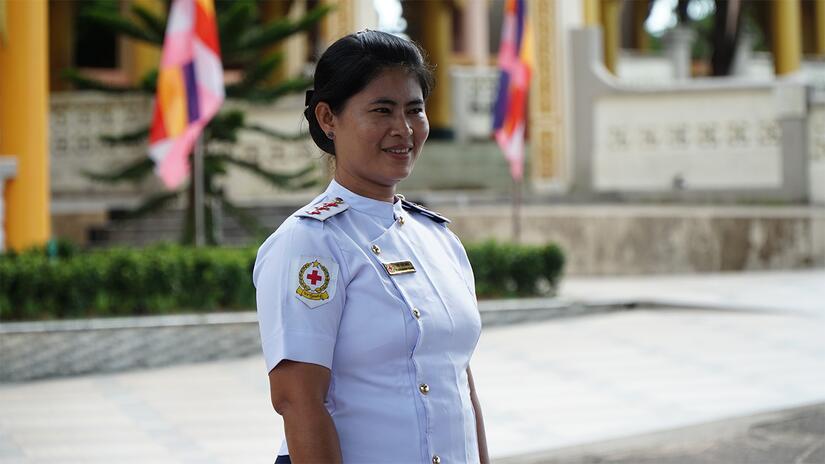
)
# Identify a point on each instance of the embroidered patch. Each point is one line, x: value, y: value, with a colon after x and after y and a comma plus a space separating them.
x: 324, y: 210
x: 316, y: 279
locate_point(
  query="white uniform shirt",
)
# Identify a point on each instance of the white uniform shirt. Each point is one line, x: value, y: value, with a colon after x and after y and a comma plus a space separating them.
x: 397, y: 346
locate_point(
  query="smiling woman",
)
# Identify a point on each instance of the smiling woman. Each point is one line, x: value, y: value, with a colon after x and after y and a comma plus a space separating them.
x: 366, y: 302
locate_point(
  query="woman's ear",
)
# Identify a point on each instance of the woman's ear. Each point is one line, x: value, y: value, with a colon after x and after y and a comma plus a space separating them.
x: 325, y: 117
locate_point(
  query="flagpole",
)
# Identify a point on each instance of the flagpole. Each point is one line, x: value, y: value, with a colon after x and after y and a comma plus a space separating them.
x: 516, y: 211
x: 197, y: 179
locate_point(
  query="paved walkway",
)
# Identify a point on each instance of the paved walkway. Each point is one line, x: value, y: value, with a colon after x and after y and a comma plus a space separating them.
x: 543, y: 385
x: 798, y: 292
x: 792, y: 436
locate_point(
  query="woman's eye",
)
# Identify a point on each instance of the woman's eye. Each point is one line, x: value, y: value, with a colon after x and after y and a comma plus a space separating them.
x: 382, y: 110
x: 416, y: 110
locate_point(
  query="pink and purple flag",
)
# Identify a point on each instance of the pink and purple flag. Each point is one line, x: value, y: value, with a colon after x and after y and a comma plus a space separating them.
x: 515, y: 63
x: 189, y: 89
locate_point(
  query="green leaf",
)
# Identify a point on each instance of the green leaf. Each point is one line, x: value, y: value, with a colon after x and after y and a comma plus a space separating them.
x: 234, y: 21
x: 127, y: 138
x: 132, y: 172
x: 274, y: 178
x: 149, y: 81
x: 83, y: 82
x: 275, y: 31
x: 153, y: 23
x: 225, y: 125
x: 260, y: 70
x: 120, y: 25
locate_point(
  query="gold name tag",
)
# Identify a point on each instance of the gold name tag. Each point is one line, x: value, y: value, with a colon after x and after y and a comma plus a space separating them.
x: 399, y: 267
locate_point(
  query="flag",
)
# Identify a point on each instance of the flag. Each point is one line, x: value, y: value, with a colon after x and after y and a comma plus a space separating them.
x: 515, y: 63
x: 189, y: 87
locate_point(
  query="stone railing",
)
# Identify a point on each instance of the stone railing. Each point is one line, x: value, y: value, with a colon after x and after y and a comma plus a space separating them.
x: 8, y: 169
x: 79, y: 119
x: 473, y: 98
x: 719, y: 139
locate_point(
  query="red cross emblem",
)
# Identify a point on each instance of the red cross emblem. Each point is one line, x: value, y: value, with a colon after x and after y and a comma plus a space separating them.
x: 314, y: 277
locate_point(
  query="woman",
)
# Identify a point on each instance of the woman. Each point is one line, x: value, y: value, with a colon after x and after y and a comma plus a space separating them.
x: 366, y: 302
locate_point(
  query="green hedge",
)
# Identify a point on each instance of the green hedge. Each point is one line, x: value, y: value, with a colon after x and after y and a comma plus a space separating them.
x: 60, y: 282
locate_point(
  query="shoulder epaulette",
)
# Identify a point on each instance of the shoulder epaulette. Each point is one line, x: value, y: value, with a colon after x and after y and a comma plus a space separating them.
x: 410, y: 206
x: 323, y: 210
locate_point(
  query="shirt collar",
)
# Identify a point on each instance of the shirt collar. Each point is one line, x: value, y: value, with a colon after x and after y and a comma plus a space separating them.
x: 382, y: 209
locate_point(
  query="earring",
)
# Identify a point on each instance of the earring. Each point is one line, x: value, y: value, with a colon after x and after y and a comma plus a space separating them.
x: 330, y: 135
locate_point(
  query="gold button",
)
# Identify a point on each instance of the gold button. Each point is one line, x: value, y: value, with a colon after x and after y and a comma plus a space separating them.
x: 416, y: 313
x: 401, y: 220
x: 424, y: 388
x: 376, y: 249
x: 436, y: 459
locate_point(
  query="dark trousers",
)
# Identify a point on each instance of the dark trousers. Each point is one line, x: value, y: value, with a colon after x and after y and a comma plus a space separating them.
x: 283, y: 460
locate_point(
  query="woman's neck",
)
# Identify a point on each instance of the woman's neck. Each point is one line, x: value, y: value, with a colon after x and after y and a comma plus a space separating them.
x: 366, y: 189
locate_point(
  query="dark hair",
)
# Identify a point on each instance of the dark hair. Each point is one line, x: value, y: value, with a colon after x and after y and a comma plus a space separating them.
x: 350, y: 64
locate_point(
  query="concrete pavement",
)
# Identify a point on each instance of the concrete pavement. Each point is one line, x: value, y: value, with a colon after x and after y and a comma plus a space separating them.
x: 545, y: 385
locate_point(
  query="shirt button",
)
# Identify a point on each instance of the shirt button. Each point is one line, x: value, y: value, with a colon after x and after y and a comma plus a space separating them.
x: 401, y: 220
x: 376, y: 249
x: 424, y: 388
x: 416, y: 313
x: 436, y: 459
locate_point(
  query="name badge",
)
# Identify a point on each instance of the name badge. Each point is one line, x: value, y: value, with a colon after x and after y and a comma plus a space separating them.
x: 399, y: 267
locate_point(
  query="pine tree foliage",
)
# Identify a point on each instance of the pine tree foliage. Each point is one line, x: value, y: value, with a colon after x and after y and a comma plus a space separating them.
x: 246, y: 42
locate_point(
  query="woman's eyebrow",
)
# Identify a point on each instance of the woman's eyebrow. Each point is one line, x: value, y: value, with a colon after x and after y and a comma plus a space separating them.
x: 389, y: 101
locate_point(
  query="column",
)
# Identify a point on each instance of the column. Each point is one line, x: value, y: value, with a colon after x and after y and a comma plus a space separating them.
x: 592, y: 13
x: 24, y: 91
x: 477, y: 32
x: 8, y: 169
x: 437, y: 39
x: 819, y: 26
x: 349, y: 16
x: 610, y: 25
x: 139, y: 57
x: 640, y: 37
x: 546, y: 104
x: 787, y: 36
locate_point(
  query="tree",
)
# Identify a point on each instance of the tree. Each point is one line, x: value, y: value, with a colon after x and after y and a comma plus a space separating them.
x: 244, y: 41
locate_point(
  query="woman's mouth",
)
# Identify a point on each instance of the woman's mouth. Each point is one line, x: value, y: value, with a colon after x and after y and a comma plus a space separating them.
x: 398, y: 150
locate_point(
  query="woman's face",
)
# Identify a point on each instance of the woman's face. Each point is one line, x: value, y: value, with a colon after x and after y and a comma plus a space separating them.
x: 379, y: 133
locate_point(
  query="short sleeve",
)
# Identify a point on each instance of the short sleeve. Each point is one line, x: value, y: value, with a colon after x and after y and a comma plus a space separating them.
x: 299, y: 281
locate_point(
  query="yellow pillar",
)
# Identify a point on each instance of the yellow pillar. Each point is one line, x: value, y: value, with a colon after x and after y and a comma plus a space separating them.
x: 24, y: 94
x: 819, y: 22
x: 140, y: 57
x: 610, y: 26
x: 592, y: 16
x: 787, y: 36
x: 546, y: 100
x: 273, y: 11
x: 437, y: 40
x: 641, y: 38
x: 339, y: 22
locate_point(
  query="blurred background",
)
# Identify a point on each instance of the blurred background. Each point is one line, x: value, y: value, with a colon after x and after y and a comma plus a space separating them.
x: 652, y: 288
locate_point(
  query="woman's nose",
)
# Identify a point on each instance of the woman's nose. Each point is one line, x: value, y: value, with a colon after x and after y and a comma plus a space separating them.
x: 402, y: 127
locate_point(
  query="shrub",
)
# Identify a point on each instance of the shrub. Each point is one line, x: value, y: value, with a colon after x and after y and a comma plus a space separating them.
x: 63, y: 282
